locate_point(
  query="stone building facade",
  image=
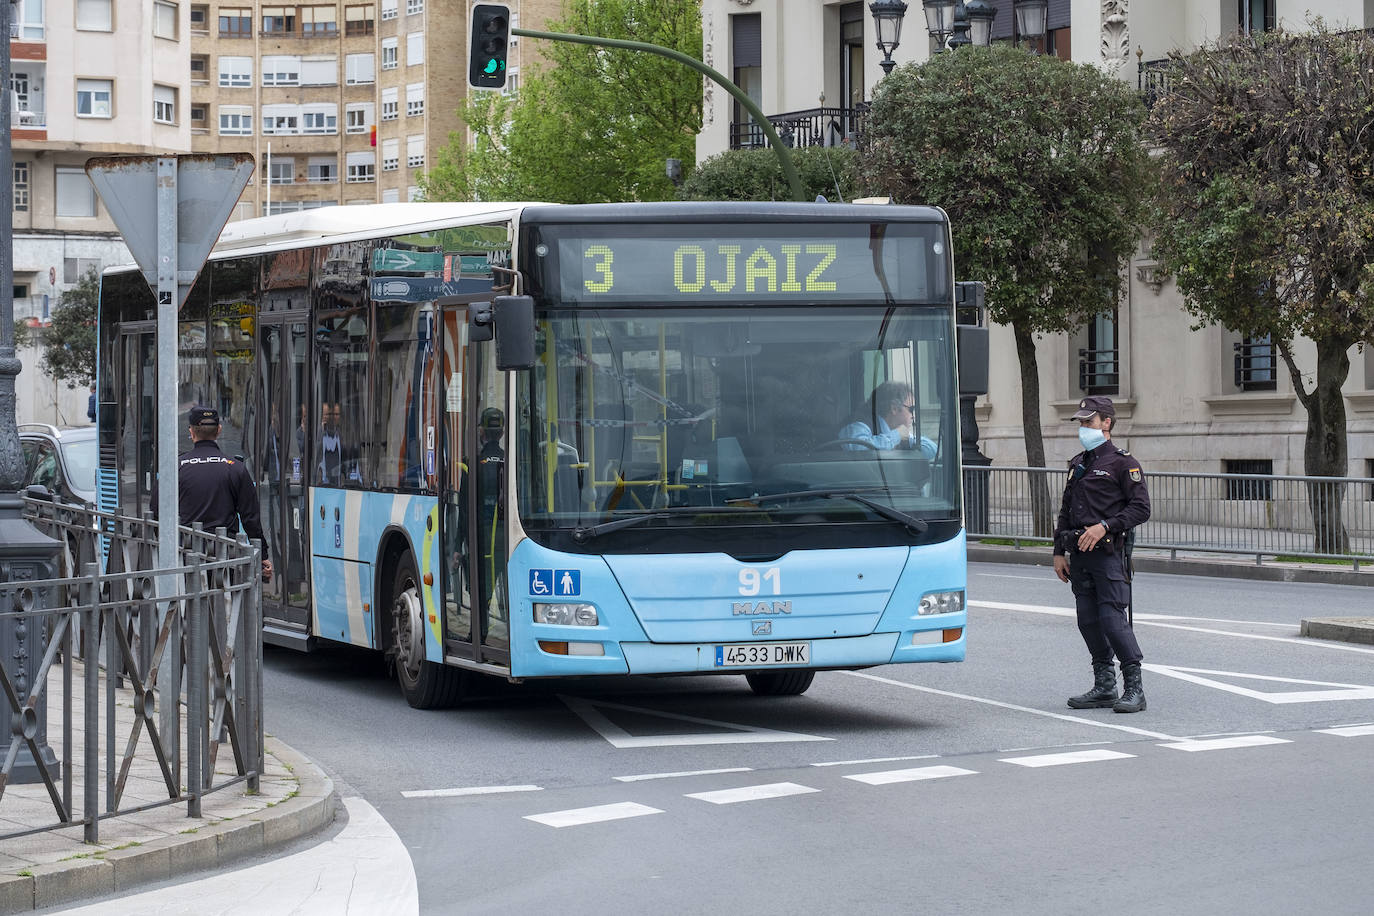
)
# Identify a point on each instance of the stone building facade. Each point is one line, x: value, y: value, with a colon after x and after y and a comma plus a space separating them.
x: 1188, y: 400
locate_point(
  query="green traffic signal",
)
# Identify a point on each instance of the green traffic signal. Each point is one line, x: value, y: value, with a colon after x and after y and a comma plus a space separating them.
x: 490, y: 67
x: 489, y: 38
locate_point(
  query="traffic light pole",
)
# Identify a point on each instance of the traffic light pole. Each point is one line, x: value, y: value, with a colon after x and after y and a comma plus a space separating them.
x: 789, y: 169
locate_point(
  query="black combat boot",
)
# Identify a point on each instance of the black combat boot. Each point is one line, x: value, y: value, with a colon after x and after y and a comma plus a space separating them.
x: 1133, y: 694
x: 1103, y: 693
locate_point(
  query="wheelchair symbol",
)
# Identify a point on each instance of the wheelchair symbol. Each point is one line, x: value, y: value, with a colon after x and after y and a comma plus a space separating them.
x: 541, y: 581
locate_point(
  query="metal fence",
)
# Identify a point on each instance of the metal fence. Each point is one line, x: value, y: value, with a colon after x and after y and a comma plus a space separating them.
x: 1250, y: 514
x: 186, y: 641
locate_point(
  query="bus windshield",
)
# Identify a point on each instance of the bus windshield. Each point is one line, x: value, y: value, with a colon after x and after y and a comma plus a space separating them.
x: 728, y: 417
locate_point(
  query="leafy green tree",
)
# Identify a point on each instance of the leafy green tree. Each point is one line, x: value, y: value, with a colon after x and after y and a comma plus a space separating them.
x: 1267, y: 213
x: 67, y: 346
x: 755, y: 174
x: 597, y: 125
x: 1039, y: 164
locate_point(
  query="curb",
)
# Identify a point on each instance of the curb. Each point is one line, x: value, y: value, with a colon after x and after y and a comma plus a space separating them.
x: 1345, y: 629
x: 1039, y: 555
x: 310, y: 810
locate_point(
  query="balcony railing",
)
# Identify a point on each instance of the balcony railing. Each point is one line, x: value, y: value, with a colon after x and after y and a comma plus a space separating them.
x: 1099, y: 371
x: 809, y: 127
x: 1153, y: 79
x: 28, y: 118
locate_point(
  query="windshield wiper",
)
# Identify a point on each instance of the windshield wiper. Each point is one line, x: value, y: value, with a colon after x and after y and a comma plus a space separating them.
x: 585, y: 533
x: 918, y: 525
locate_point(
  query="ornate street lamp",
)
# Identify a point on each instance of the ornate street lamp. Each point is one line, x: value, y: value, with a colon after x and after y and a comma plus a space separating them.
x: 1030, y: 18
x: 887, y: 22
x: 980, y: 15
x: 960, y: 38
x: 939, y: 19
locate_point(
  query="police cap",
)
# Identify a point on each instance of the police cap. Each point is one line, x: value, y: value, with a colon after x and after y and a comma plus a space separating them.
x: 203, y: 416
x: 1094, y: 404
x: 492, y: 419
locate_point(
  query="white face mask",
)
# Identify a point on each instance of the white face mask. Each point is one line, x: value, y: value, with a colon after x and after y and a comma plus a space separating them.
x: 1091, y: 438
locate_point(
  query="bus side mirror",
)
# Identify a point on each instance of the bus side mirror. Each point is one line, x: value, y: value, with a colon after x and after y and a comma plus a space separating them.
x: 514, y: 319
x: 479, y: 321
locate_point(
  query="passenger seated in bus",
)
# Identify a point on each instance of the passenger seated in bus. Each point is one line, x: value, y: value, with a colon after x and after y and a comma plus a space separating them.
x: 331, y: 446
x: 886, y: 422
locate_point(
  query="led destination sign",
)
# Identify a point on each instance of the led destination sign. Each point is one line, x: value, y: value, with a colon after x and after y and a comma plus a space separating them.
x: 900, y: 262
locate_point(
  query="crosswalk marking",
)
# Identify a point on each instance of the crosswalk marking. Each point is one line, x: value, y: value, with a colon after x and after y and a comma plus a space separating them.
x: 1054, y: 760
x: 752, y: 793
x: 468, y: 790
x: 1348, y: 731
x: 1221, y: 744
x: 574, y: 817
x: 644, y: 776
x: 912, y: 774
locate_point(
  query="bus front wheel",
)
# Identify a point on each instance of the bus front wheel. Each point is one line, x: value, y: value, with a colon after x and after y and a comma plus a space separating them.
x: 425, y: 684
x: 788, y: 683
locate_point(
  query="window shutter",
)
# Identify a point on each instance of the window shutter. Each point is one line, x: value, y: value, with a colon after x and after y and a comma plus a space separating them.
x: 747, y: 48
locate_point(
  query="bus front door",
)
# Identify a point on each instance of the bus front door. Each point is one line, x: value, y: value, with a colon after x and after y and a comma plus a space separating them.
x: 279, y: 466
x: 136, y: 417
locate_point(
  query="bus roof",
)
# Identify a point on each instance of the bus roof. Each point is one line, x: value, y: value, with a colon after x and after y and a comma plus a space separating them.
x: 731, y: 211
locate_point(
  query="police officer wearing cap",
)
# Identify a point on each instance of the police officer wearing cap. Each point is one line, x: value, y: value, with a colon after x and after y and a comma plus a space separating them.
x: 216, y: 490
x: 1104, y: 499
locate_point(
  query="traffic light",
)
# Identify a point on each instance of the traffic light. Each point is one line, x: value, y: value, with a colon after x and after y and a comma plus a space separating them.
x: 489, y: 38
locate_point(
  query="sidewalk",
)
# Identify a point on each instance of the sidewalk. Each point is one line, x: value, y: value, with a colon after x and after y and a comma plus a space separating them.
x: 56, y: 867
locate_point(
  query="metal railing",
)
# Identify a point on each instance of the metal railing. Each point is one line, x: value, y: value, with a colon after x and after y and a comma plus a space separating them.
x: 1256, y: 363
x: 809, y: 127
x: 1153, y: 79
x: 1304, y: 517
x: 1099, y: 371
x: 189, y: 650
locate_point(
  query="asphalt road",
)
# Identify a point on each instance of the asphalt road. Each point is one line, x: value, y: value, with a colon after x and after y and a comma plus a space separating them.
x: 948, y: 788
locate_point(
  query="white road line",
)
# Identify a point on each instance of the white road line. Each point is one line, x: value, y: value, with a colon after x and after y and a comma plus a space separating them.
x: 911, y: 775
x: 752, y: 793
x: 1012, y: 706
x: 645, y: 776
x: 1222, y: 744
x: 576, y: 817
x: 727, y: 733
x: 1054, y: 760
x: 1157, y: 620
x: 1348, y: 731
x: 845, y: 763
x: 470, y: 790
x: 1335, y: 691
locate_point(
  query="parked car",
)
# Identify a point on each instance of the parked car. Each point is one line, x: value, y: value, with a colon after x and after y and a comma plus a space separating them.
x: 63, y: 460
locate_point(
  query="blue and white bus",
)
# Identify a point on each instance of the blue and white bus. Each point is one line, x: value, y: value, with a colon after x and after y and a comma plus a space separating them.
x: 544, y: 441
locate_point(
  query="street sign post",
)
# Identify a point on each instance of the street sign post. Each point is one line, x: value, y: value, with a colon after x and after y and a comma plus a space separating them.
x: 170, y: 210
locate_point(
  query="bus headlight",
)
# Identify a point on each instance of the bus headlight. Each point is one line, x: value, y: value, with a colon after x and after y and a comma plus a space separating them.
x: 941, y: 603
x: 566, y: 615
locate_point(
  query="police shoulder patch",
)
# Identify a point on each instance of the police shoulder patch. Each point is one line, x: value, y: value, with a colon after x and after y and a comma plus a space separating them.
x: 1135, y: 474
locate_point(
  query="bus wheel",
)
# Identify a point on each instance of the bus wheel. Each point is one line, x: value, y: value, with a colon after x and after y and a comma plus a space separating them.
x: 788, y: 683
x: 425, y: 684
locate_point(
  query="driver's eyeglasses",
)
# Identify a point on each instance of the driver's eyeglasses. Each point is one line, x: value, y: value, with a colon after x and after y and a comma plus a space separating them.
x: 910, y: 408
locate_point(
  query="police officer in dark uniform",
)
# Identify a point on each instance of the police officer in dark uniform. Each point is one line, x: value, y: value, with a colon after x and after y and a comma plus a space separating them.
x: 216, y: 490
x: 1105, y: 498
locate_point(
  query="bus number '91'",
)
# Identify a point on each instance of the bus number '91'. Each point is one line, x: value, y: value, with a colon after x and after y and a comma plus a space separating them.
x: 794, y: 268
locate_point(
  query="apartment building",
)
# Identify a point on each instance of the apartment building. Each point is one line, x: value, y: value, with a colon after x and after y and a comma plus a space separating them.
x: 88, y: 78
x: 339, y: 103
x: 1205, y: 400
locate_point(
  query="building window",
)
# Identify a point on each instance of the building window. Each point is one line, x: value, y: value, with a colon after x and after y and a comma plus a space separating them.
x: 281, y: 70
x: 391, y: 155
x: 281, y: 120
x: 200, y: 18
x: 361, y: 167
x: 389, y: 53
x: 320, y: 70
x: 746, y: 44
x: 280, y: 170
x: 75, y: 193
x: 21, y: 186
x: 279, y: 20
x: 413, y: 194
x: 415, y: 100
x: 388, y: 10
x: 73, y: 269
x: 94, y: 15
x: 391, y: 196
x: 165, y: 19
x: 358, y: 117
x: 1099, y: 369
x: 359, y: 20
x: 235, y: 22
x: 236, y: 120
x: 390, y: 104
x: 1248, y: 488
x: 322, y: 170
x: 236, y: 72
x: 1255, y: 16
x: 415, y: 49
x: 199, y: 113
x: 319, y: 21
x: 27, y: 22
x: 200, y: 68
x: 512, y: 87
x: 414, y: 6
x: 320, y: 118
x: 93, y: 98
x: 360, y: 69
x: 415, y: 152
x: 1369, y: 472
x: 164, y: 104
x: 1254, y: 364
